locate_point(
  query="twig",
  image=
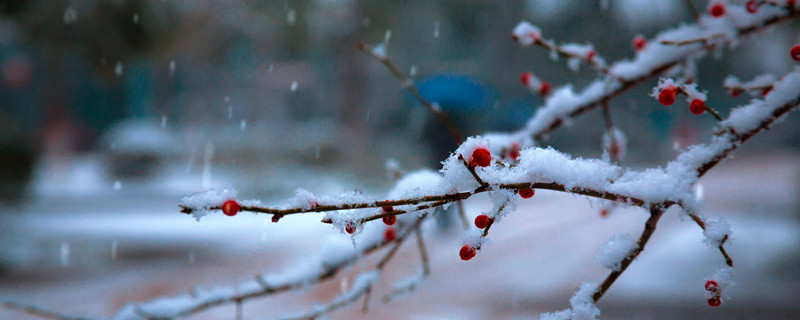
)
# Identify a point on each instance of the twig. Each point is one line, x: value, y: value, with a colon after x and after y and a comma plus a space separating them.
x: 471, y: 170
x: 702, y: 225
x: 649, y: 227
x: 692, y: 41
x: 407, y: 84
x: 614, y: 146
x: 692, y: 9
x: 462, y: 214
x: 35, y: 311
x: 541, y: 132
x: 423, y: 254
x: 367, y: 290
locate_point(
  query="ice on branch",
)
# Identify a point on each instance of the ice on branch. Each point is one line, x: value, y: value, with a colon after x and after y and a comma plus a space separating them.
x: 582, y: 306
x: 619, y: 247
x: 526, y: 33
x: 200, y: 204
x: 717, y: 232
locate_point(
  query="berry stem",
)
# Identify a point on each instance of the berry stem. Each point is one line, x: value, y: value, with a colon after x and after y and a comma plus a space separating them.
x: 472, y: 171
x: 713, y: 113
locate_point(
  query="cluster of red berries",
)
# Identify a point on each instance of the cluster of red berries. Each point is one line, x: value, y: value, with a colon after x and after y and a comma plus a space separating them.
x: 735, y: 92
x: 527, y: 79
x: 668, y: 95
x: 389, y: 220
x: 713, y: 289
x: 481, y: 157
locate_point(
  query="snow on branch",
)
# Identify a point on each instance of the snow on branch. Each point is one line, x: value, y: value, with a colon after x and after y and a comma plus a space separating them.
x: 652, y: 60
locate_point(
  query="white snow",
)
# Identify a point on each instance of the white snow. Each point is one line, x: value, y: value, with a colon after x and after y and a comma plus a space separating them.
x: 201, y: 202
x: 784, y: 91
x: 582, y: 306
x: 619, y: 247
x: 717, y: 229
x: 526, y: 33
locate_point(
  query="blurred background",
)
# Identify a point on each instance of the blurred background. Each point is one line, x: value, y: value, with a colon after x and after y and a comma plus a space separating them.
x: 111, y: 110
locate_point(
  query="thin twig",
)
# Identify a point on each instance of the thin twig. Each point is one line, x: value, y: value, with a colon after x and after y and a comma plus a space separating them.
x: 462, y: 214
x: 649, y: 227
x: 556, y: 122
x: 702, y: 225
x: 409, y: 86
x: 692, y: 9
x: 35, y: 311
x: 471, y: 170
x: 423, y: 254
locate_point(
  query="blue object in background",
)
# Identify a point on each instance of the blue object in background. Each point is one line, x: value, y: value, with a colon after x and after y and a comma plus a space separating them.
x: 454, y: 93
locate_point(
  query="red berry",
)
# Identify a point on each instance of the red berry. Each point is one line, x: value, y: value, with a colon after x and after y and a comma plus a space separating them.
x: 544, y: 88
x: 697, y: 106
x: 350, y: 227
x: 387, y: 209
x: 480, y: 158
x: 667, y: 95
x: 714, y: 302
x: 735, y: 93
x: 526, y: 193
x: 482, y: 221
x: 717, y: 10
x: 467, y: 252
x: 390, y: 220
x: 639, y: 42
x: 795, y: 52
x: 525, y: 78
x: 791, y: 4
x: 590, y: 55
x: 752, y: 6
x: 276, y: 217
x: 712, y: 286
x: 603, y: 213
x: 766, y: 91
x: 389, y: 235
x: 230, y: 208
x: 514, y: 152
